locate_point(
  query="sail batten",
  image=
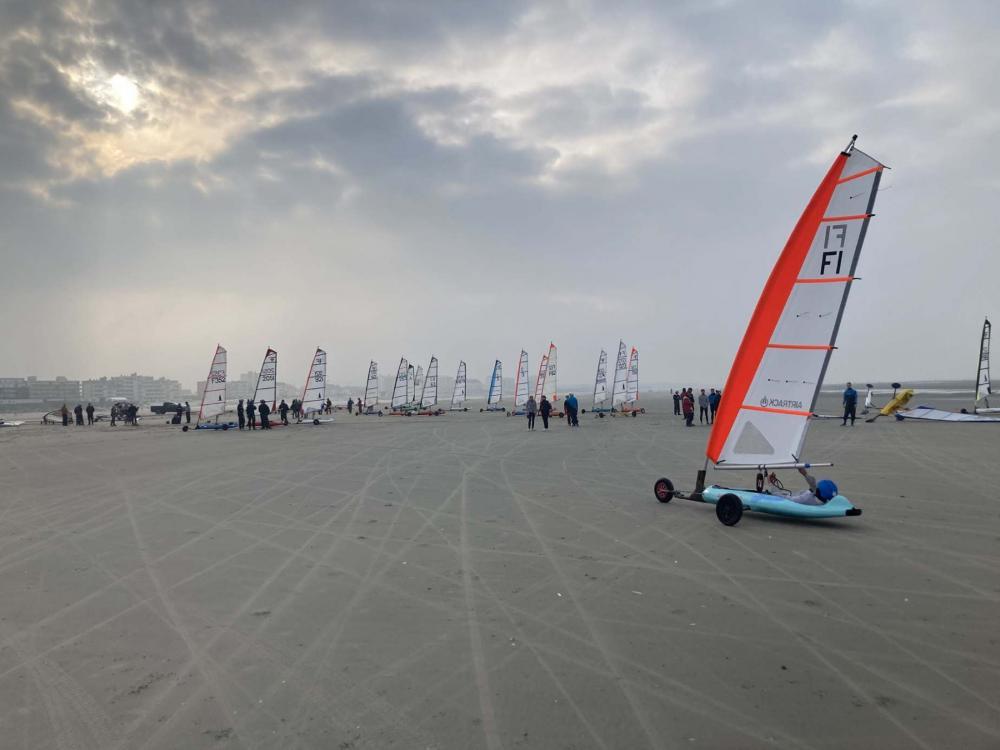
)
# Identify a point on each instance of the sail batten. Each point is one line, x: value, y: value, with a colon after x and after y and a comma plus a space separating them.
x: 776, y: 377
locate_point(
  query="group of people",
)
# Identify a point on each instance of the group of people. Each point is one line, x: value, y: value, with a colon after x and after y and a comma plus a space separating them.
x: 351, y: 403
x: 251, y: 416
x: 543, y: 408
x: 120, y: 412
x: 708, y: 405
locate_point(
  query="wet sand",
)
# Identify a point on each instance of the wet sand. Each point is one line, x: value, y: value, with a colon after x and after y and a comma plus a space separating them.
x: 456, y: 582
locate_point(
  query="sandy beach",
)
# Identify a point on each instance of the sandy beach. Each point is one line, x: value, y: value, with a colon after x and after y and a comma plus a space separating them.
x: 458, y: 582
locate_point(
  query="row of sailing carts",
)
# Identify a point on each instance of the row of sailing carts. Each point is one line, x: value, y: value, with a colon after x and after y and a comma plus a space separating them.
x: 621, y: 399
x: 216, y: 410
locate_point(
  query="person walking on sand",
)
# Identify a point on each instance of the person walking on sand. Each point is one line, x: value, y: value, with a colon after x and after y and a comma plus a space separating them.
x: 545, y: 408
x: 850, y: 405
x: 241, y: 416
x: 187, y: 412
x: 530, y: 409
x: 677, y: 403
x: 687, y: 406
x: 703, y: 407
x: 283, y: 411
x: 263, y: 410
x: 64, y: 413
x: 251, y: 415
x: 572, y: 405
x: 90, y: 414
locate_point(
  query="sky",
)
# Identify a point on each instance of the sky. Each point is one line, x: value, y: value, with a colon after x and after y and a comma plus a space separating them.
x: 470, y: 179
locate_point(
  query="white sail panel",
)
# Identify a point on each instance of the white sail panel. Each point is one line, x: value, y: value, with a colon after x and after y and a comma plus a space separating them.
x: 521, y: 384
x: 314, y: 393
x: 458, y: 395
x: 371, y: 387
x: 983, y: 386
x: 496, y: 385
x: 632, y: 381
x: 213, y: 398
x: 777, y: 374
x: 400, y: 389
x: 429, y: 392
x: 550, y: 388
x: 267, y: 381
x: 621, y: 375
x: 601, y: 381
x: 543, y: 370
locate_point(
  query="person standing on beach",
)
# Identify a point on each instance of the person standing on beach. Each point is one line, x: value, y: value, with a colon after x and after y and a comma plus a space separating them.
x: 90, y: 414
x: 283, y: 410
x: 703, y: 407
x: 64, y: 413
x: 263, y: 411
x: 114, y: 413
x: 251, y: 415
x: 133, y: 413
x: 572, y: 405
x: 687, y: 406
x: 78, y: 411
x: 713, y: 405
x: 677, y: 403
x: 530, y: 409
x: 241, y: 417
x: 350, y: 405
x: 850, y: 405
x: 545, y: 408
x: 187, y: 412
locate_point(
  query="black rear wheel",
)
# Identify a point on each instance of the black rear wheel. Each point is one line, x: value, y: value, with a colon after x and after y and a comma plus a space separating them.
x: 729, y: 510
x: 663, y: 488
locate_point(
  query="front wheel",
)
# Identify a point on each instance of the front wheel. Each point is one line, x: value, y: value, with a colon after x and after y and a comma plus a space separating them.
x: 729, y: 510
x: 316, y: 421
x: 664, y: 490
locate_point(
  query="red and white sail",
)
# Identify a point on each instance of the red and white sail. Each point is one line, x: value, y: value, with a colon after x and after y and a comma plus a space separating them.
x: 618, y: 393
x: 400, y: 389
x: 776, y: 376
x: 458, y: 395
x: 543, y: 370
x: 314, y: 393
x: 429, y: 392
x: 632, y: 379
x: 267, y: 381
x: 213, y: 398
x: 550, y: 389
x: 521, y: 383
x: 371, y: 387
x: 601, y: 381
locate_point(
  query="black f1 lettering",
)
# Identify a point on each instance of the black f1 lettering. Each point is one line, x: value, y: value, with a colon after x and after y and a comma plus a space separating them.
x: 839, y: 232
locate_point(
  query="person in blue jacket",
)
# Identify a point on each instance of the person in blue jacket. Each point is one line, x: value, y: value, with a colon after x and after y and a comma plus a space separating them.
x: 571, y: 405
x: 850, y: 405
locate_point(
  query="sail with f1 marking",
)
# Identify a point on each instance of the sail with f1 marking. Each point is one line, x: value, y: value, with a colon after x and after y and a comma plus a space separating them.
x: 267, y: 381
x: 983, y: 386
x: 400, y: 389
x: 371, y: 387
x: 213, y: 398
x: 618, y: 388
x: 776, y: 376
x: 429, y: 391
x: 458, y: 395
x: 314, y: 393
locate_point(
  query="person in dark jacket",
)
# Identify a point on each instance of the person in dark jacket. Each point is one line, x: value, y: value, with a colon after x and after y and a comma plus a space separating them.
x: 713, y: 405
x: 90, y: 414
x: 133, y: 414
x: 263, y: 410
x: 241, y: 416
x: 283, y: 410
x: 530, y: 409
x: 703, y: 407
x: 850, y: 405
x: 187, y: 412
x: 78, y: 410
x: 571, y: 405
x: 64, y: 413
x: 350, y: 405
x: 251, y: 414
x: 545, y: 408
x: 677, y: 403
x: 180, y: 414
x: 687, y: 406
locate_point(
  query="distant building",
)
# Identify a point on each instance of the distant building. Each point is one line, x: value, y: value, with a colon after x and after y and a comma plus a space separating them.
x: 139, y: 389
x: 58, y: 390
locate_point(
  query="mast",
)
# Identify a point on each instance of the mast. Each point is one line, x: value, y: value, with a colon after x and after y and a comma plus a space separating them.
x: 778, y: 371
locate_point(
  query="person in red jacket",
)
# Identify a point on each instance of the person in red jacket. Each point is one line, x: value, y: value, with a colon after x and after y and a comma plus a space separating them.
x: 687, y: 406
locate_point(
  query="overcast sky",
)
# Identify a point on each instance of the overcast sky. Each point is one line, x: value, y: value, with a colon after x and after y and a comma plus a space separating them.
x: 466, y: 179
